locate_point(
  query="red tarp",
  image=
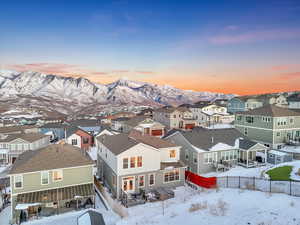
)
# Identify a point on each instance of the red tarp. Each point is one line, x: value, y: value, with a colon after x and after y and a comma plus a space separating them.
x: 157, y: 132
x: 207, y: 182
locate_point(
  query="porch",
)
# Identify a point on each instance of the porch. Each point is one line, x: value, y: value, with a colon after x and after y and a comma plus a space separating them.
x: 46, y: 203
x: 252, y: 158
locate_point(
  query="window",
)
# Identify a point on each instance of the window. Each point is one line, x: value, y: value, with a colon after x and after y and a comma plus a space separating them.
x: 208, y: 158
x: 246, y: 131
x: 195, y: 160
x: 186, y: 155
x: 174, y: 116
x: 141, y: 181
x: 235, y: 154
x: 171, y: 176
x: 57, y: 175
x: 172, y: 153
x: 74, y: 141
x: 291, y: 121
x: 44, y: 177
x: 85, y: 140
x: 114, y: 180
x: 249, y: 119
x: 239, y: 118
x: 18, y: 179
x: 132, y: 162
x: 151, y: 179
x: 139, y: 161
x: 125, y: 163
x: 278, y: 134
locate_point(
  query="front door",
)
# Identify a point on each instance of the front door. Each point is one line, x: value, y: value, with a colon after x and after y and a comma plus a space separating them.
x: 128, y: 184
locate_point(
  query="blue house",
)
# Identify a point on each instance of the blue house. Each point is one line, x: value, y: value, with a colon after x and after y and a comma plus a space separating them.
x: 236, y: 105
x: 56, y: 130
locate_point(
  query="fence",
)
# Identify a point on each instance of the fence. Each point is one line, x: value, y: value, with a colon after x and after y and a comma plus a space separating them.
x: 260, y: 184
x: 207, y: 182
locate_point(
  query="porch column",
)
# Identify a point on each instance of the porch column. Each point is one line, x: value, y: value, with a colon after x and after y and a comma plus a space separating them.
x: 265, y: 160
x: 247, y: 158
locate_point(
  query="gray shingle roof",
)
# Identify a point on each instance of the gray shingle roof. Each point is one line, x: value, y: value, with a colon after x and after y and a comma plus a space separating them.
x: 30, y: 137
x: 117, y: 143
x: 246, y: 144
x: 206, y: 138
x: 271, y: 110
x: 54, y: 156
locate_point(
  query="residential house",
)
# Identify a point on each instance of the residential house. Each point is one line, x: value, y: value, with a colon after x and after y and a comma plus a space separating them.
x: 88, y: 125
x: 117, y: 124
x: 248, y: 102
x: 150, y: 127
x: 175, y: 118
x: 146, y: 112
x: 79, y: 138
x: 294, y: 101
x: 207, y: 115
x: 270, y: 125
x: 12, y: 145
x: 51, y: 180
x: 206, y: 150
x: 128, y: 163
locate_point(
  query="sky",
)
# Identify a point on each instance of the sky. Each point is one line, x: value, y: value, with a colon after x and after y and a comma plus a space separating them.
x: 241, y: 47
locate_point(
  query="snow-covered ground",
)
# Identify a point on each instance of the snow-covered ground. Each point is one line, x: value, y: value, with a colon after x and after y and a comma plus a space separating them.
x: 221, y: 207
x: 211, y: 207
x: 93, y: 153
x: 240, y: 171
x: 259, y: 172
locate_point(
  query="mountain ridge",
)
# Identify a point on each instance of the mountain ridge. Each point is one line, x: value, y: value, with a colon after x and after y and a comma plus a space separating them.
x: 81, y: 91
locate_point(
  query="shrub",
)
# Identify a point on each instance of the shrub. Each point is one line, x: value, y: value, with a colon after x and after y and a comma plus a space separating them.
x: 198, y: 206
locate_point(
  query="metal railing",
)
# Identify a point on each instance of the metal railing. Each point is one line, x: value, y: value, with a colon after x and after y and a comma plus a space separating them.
x: 260, y: 184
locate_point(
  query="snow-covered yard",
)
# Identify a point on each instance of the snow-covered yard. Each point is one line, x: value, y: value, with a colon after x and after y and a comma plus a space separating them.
x: 218, y: 207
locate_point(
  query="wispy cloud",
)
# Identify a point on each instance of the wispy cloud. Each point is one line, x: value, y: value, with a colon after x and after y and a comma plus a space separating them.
x: 283, y: 67
x: 254, y: 36
x: 144, y: 72
x: 288, y: 76
x: 231, y: 27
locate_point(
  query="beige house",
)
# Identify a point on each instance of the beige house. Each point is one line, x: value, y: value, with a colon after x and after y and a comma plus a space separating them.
x: 12, y: 145
x: 50, y: 180
x: 175, y: 118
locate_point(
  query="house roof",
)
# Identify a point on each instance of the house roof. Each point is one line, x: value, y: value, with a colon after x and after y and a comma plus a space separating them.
x: 54, y: 156
x: 12, y: 129
x: 246, y: 144
x: 153, y: 141
x: 94, y: 218
x: 134, y: 121
x: 271, y: 110
x: 73, y: 129
x: 207, y: 138
x: 84, y: 123
x: 30, y: 137
x: 294, y: 97
x: 55, y: 125
x: 117, y: 143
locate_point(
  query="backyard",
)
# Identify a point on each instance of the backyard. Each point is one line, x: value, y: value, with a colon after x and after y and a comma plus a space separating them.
x: 280, y: 173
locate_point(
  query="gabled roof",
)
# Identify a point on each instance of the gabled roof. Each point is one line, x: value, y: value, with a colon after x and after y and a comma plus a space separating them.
x: 271, y: 110
x: 12, y: 129
x: 246, y: 144
x: 30, y: 137
x: 54, y: 156
x: 134, y: 121
x: 172, y: 109
x: 117, y: 143
x: 153, y: 141
x: 205, y: 139
x: 85, y: 123
x: 55, y: 125
x: 73, y: 129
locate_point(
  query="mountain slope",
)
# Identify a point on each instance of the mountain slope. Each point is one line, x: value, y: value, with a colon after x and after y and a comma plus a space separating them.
x: 74, y: 93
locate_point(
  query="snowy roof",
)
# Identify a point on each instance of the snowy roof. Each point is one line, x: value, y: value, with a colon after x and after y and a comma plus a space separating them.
x: 278, y: 153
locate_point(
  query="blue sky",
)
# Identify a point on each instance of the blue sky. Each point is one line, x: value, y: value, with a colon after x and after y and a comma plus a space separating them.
x: 200, y: 45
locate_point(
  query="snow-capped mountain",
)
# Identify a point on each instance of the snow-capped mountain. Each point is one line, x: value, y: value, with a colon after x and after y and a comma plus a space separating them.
x: 37, y: 88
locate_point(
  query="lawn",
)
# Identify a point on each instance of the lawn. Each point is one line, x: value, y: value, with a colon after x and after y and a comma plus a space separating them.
x: 280, y: 173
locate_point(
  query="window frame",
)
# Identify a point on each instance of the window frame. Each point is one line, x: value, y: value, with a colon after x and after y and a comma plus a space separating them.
x: 139, y: 164
x: 149, y: 177
x: 41, y: 173
x: 19, y: 175
x: 139, y: 181
x: 62, y: 175
x: 124, y: 163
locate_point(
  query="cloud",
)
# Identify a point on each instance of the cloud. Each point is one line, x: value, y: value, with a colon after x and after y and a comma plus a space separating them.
x: 144, y: 72
x: 283, y: 67
x: 288, y: 76
x: 231, y: 27
x: 254, y: 36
